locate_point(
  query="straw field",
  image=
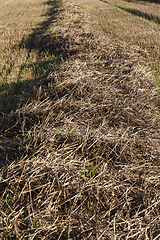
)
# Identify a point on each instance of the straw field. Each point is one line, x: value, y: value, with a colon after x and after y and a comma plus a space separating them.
x: 80, y: 150
x: 134, y: 22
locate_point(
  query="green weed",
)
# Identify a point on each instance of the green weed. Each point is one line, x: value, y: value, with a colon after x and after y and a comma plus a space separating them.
x: 84, y: 8
x: 49, y: 31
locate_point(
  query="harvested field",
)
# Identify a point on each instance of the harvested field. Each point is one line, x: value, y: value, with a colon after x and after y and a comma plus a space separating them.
x: 83, y: 145
x: 21, y: 66
x: 132, y: 22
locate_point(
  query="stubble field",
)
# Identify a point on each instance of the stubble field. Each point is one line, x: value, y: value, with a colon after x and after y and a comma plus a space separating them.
x: 80, y: 123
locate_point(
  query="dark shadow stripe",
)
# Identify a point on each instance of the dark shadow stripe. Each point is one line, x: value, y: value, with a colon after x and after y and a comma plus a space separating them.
x: 145, y: 1
x: 138, y: 13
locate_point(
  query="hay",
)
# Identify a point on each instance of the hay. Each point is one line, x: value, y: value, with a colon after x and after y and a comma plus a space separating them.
x: 90, y: 145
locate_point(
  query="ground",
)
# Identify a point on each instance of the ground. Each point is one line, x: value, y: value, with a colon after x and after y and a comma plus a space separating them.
x: 80, y: 123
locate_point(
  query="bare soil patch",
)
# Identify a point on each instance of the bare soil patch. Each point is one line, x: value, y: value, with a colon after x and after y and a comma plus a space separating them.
x: 83, y: 151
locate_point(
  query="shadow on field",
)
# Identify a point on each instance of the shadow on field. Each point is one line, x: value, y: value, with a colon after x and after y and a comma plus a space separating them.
x: 16, y: 94
x: 145, y: 1
x: 46, y: 43
x: 85, y: 147
x: 45, y: 38
x: 56, y: 48
x: 138, y: 13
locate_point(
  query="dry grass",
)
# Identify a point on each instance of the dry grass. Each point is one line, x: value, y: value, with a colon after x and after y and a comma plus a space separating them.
x: 83, y: 152
x: 145, y: 7
x: 1, y: 1
x: 20, y: 63
x: 119, y: 23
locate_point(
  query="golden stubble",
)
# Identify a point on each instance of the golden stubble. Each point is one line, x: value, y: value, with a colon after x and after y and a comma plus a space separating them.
x: 84, y: 150
x: 18, y: 19
x: 1, y: 1
x: 122, y: 25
